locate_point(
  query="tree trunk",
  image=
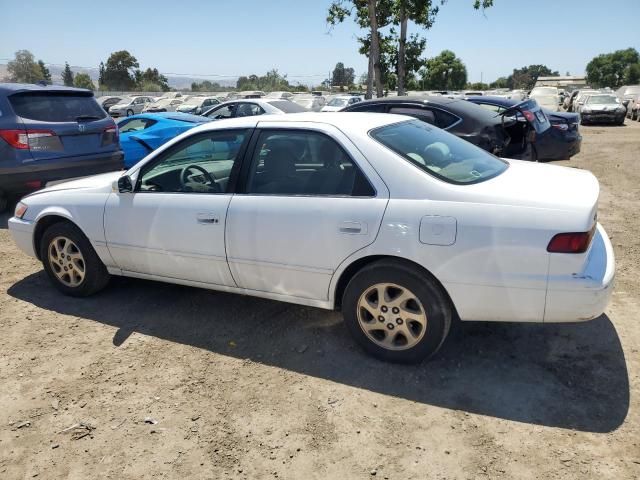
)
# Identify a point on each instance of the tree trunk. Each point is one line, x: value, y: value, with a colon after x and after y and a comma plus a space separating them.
x: 374, y: 53
x: 369, y: 93
x: 402, y: 49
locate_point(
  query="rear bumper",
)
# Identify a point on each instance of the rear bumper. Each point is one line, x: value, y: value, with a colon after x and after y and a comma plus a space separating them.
x: 557, y: 145
x: 22, y: 233
x: 22, y: 179
x: 584, y: 295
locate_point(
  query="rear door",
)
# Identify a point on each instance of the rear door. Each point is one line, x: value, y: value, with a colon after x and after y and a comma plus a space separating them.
x: 64, y: 124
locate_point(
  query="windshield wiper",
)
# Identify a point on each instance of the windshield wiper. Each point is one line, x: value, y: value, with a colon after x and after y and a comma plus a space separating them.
x: 87, y: 117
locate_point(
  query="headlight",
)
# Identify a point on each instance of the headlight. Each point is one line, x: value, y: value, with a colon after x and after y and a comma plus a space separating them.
x: 21, y: 209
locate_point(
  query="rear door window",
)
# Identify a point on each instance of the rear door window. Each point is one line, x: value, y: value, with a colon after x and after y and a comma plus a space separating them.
x: 55, y: 106
x: 416, y: 112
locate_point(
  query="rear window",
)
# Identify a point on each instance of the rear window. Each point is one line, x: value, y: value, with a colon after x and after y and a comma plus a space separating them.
x: 439, y: 153
x: 55, y: 106
x: 287, y: 106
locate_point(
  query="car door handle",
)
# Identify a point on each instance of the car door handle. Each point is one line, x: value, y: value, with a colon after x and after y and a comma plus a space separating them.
x: 353, y: 228
x: 207, y: 218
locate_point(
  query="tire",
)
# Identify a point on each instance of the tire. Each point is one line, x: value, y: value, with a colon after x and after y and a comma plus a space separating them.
x: 388, y: 336
x: 129, y: 113
x: 72, y: 275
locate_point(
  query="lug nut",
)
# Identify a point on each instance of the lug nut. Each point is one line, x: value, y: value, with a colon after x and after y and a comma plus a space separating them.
x: 399, y: 321
x: 390, y: 326
x: 384, y: 309
x: 381, y: 318
x: 395, y: 310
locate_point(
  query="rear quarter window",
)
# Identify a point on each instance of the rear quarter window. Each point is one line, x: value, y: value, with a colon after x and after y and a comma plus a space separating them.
x: 55, y: 106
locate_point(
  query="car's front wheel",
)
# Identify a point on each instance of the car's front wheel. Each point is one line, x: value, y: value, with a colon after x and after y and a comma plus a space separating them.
x: 129, y: 113
x: 396, y: 312
x: 71, y: 262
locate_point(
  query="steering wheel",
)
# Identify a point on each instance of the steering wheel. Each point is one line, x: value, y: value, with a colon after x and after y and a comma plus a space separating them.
x: 209, y: 179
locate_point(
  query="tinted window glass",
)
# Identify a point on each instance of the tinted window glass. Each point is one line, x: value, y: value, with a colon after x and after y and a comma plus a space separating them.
x: 369, y: 108
x: 444, y: 119
x: 248, y: 110
x: 55, y: 107
x: 439, y: 153
x: 304, y: 163
x: 416, y: 112
x: 135, y: 124
x: 199, y: 164
x: 222, y: 112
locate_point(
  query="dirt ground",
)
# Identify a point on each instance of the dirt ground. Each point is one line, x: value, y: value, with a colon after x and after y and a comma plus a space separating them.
x: 249, y: 388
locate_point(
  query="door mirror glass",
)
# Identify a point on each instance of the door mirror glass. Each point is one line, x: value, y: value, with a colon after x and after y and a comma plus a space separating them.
x: 125, y: 185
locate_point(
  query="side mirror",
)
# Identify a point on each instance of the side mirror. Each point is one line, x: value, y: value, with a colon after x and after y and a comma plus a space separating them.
x: 125, y: 185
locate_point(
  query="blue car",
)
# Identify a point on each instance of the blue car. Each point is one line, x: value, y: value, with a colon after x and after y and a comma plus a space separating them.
x: 561, y: 142
x: 143, y: 133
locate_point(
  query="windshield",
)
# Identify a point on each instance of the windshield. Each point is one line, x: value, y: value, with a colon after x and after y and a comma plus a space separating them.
x: 125, y: 101
x: 162, y: 102
x: 544, y: 91
x: 439, y: 153
x: 286, y: 106
x: 602, y: 99
x: 193, y: 101
x: 304, y: 102
x: 337, y: 102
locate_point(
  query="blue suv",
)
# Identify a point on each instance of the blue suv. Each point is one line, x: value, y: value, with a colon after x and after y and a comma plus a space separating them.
x: 50, y: 133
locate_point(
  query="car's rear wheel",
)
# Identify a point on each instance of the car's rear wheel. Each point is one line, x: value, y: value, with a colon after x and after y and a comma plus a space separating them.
x: 71, y: 262
x: 396, y: 312
x: 129, y: 113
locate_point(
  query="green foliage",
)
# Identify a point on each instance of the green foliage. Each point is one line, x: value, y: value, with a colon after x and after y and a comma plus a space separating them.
x: 119, y: 73
x: 83, y: 80
x: 525, y: 77
x: 502, y: 82
x: 46, y: 74
x: 615, y: 69
x: 342, y: 77
x: 206, y: 86
x: 477, y: 86
x: 151, y: 77
x: 444, y: 72
x: 271, y: 82
x: 67, y: 75
x: 24, y: 69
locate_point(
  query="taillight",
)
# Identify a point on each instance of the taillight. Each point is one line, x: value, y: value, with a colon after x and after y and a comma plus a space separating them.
x: 577, y: 242
x: 529, y: 115
x: 36, y: 140
x: 110, y: 135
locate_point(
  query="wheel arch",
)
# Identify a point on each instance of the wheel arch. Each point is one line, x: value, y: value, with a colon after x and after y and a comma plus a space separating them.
x: 358, y: 264
x: 44, y: 221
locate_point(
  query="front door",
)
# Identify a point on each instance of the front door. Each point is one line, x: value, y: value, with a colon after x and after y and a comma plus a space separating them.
x: 173, y: 224
x: 308, y: 201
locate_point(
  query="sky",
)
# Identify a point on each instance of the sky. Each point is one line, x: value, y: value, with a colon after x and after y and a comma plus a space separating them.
x: 222, y: 39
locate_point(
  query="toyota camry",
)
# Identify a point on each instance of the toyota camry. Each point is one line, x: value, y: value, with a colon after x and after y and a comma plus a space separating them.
x: 395, y: 222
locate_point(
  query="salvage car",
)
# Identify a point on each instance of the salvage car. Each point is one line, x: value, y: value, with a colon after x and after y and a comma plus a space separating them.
x: 252, y: 107
x: 130, y: 106
x: 108, y: 101
x: 340, y: 102
x: 52, y: 133
x: 633, y: 107
x: 547, y: 97
x: 602, y: 107
x: 141, y: 134
x: 397, y: 223
x: 313, y: 103
x: 560, y: 142
x: 163, y: 105
x: 196, y: 105
x: 498, y: 134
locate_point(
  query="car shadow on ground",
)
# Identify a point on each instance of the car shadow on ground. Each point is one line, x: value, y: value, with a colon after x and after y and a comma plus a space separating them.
x: 571, y: 376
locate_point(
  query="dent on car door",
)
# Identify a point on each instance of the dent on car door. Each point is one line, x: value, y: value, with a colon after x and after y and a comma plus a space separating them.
x: 309, y: 200
x: 173, y: 224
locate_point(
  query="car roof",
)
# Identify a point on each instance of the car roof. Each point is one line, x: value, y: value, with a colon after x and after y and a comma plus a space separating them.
x: 354, y: 122
x: 172, y: 116
x: 502, y: 101
x: 427, y: 99
x: 11, y: 88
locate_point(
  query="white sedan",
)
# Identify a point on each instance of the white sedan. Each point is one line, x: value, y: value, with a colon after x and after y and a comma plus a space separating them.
x: 399, y: 224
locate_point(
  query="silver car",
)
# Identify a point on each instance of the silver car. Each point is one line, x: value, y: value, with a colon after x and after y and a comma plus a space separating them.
x: 313, y: 103
x: 197, y: 105
x: 129, y: 106
x: 251, y: 107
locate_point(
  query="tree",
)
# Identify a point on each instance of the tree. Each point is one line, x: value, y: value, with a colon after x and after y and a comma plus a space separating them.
x: 525, y: 77
x: 151, y: 80
x: 476, y: 86
x: 614, y: 69
x: 344, y: 77
x: 206, y: 86
x: 24, y: 69
x: 83, y: 80
x: 501, y: 82
x: 119, y: 72
x: 101, y: 74
x: 444, y: 72
x: 271, y: 81
x: 67, y: 75
x: 46, y: 74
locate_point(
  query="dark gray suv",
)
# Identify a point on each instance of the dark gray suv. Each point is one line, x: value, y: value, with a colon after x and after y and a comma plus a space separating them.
x: 50, y: 133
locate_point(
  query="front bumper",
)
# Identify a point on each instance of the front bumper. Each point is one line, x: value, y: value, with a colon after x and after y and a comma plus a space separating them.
x: 607, y: 117
x: 22, y: 233
x: 585, y: 294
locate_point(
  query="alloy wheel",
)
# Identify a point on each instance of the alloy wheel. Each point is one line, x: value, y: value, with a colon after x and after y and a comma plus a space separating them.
x: 66, y: 261
x: 392, y: 316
